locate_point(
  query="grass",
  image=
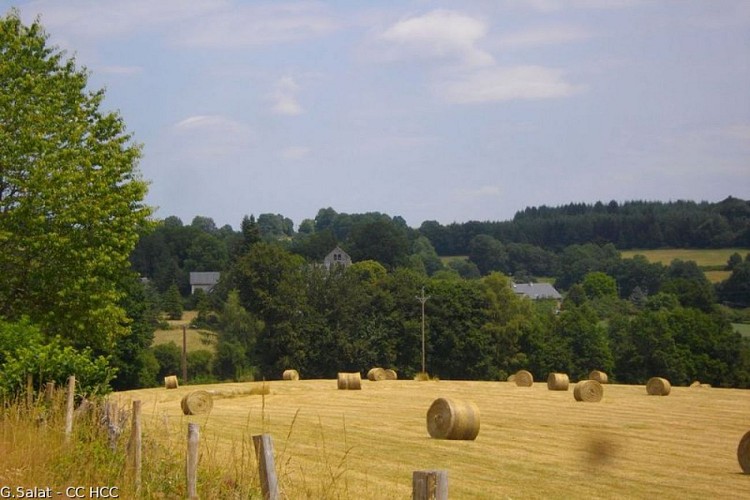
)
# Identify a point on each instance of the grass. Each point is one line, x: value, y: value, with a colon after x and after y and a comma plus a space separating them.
x: 712, y: 260
x: 533, y: 443
x: 742, y: 328
x: 195, y: 338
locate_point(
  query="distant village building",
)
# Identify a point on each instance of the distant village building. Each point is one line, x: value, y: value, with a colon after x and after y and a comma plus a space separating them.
x: 205, y: 281
x: 536, y: 291
x: 337, y: 257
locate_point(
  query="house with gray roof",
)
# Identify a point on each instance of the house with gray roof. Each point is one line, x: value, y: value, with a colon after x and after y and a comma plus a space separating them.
x: 537, y: 291
x: 205, y: 281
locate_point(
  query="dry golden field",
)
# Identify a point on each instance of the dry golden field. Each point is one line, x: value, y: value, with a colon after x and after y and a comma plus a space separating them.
x: 533, y: 443
x: 174, y: 334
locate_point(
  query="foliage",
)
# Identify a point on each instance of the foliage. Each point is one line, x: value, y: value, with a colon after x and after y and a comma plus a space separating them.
x: 172, y: 303
x: 24, y: 351
x: 70, y: 194
x: 169, y: 357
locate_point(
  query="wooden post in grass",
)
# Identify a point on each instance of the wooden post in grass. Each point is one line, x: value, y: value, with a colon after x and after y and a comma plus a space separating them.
x: 430, y: 485
x: 191, y: 465
x: 70, y: 407
x: 49, y: 392
x: 29, y: 390
x: 134, y: 446
x: 269, y: 484
x: 184, y: 355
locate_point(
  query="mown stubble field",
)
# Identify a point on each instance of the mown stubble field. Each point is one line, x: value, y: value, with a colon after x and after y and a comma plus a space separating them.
x: 533, y: 443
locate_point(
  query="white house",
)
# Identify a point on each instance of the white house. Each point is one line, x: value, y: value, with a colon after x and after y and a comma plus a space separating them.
x: 337, y: 257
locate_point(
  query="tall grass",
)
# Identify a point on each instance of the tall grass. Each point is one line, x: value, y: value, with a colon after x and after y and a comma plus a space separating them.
x: 36, y: 453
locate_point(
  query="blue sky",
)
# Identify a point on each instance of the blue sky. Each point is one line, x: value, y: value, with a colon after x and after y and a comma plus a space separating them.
x: 447, y: 111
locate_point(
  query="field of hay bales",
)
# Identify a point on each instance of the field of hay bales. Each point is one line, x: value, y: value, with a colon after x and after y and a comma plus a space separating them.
x: 532, y: 442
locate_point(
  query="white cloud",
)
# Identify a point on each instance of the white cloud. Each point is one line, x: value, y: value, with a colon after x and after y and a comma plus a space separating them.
x: 210, y: 135
x: 198, y: 23
x: 438, y: 34
x: 254, y: 25
x: 543, y: 36
x: 507, y: 83
x: 284, y: 97
x: 295, y: 153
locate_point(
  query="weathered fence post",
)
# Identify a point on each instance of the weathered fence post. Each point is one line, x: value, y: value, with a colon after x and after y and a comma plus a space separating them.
x: 29, y: 391
x: 191, y: 466
x: 183, y: 359
x: 70, y: 407
x: 49, y: 392
x: 134, y: 446
x: 430, y: 485
x: 269, y: 484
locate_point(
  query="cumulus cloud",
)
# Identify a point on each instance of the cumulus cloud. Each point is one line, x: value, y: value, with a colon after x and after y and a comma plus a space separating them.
x: 438, y: 34
x: 284, y: 97
x: 507, y: 83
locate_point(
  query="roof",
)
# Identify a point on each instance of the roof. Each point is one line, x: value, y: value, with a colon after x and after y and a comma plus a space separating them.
x: 536, y: 290
x: 205, y: 278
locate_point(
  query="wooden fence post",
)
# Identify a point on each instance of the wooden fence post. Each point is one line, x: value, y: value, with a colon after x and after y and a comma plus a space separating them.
x: 134, y: 446
x: 70, y: 407
x: 49, y: 392
x: 183, y: 360
x: 191, y: 466
x: 430, y: 485
x: 29, y: 391
x: 269, y: 484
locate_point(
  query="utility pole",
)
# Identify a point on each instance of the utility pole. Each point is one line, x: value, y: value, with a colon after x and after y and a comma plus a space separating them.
x: 422, y: 299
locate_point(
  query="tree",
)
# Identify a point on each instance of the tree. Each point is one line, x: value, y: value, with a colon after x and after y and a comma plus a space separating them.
x: 487, y: 253
x: 71, y: 198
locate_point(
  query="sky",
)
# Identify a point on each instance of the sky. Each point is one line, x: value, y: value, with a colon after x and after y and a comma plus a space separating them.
x: 429, y: 110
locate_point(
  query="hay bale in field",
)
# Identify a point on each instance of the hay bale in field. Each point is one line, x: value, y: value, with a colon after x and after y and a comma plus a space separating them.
x: 349, y: 381
x: 695, y: 384
x: 511, y: 378
x: 290, y: 375
x: 599, y: 376
x: 170, y: 382
x: 197, y: 403
x: 588, y: 391
x: 743, y: 453
x: 453, y: 419
x: 657, y: 386
x: 524, y: 378
x: 558, y: 382
x: 391, y: 374
x: 376, y: 374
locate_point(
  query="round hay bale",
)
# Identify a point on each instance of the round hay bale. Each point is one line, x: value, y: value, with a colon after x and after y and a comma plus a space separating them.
x: 349, y: 381
x: 453, y: 419
x: 197, y: 403
x: 743, y: 453
x: 290, y: 375
x: 524, y: 378
x: 512, y: 378
x: 170, y: 382
x: 695, y: 384
x: 588, y: 391
x: 599, y: 376
x: 657, y: 386
x: 376, y: 374
x: 391, y: 374
x: 558, y: 382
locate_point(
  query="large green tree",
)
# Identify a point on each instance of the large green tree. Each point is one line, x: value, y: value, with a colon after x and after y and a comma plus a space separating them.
x: 71, y: 198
